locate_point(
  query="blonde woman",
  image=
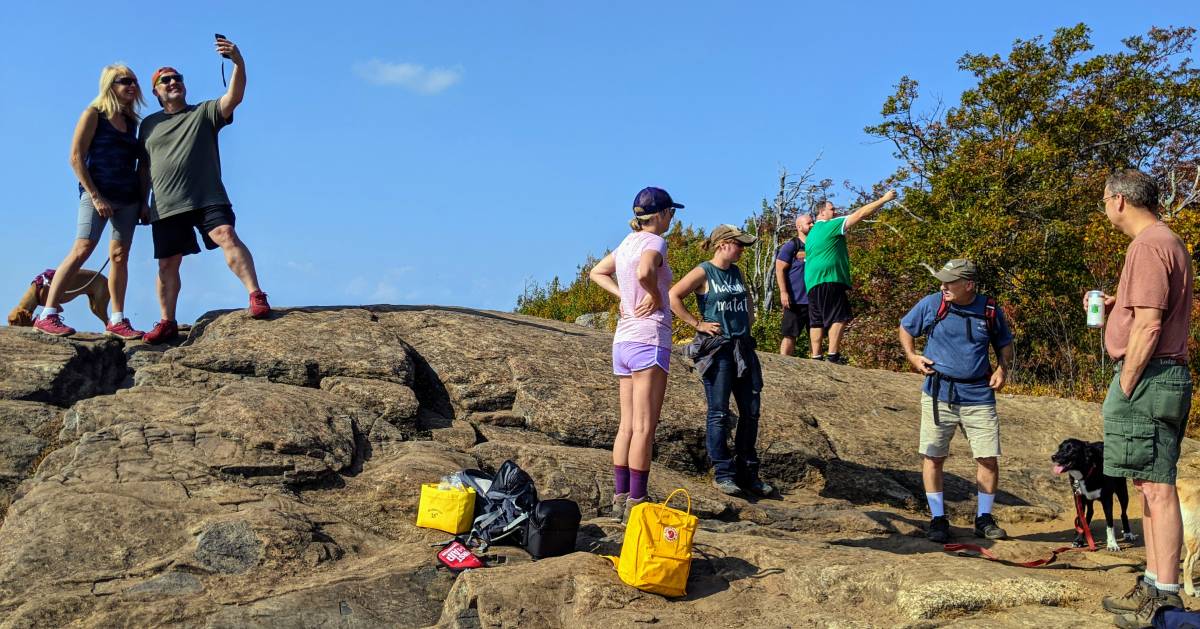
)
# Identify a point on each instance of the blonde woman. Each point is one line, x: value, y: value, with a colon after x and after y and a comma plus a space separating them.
x: 725, y: 358
x: 104, y: 154
x: 637, y: 273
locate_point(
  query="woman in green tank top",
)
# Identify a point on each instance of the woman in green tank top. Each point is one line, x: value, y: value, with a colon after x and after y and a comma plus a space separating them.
x: 730, y: 365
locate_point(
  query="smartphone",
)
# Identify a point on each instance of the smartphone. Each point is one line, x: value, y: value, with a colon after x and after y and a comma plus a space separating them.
x: 219, y: 37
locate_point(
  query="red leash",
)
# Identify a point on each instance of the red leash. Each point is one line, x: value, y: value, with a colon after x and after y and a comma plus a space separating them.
x: 1079, y: 528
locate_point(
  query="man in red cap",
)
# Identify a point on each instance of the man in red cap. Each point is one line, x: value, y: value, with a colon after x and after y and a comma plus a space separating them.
x: 184, y: 170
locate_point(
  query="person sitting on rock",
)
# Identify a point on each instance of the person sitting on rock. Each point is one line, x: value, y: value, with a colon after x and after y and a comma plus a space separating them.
x: 637, y: 273
x: 959, y: 325
x: 725, y: 358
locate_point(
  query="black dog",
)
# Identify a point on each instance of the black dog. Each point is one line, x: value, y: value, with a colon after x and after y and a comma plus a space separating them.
x: 1084, y: 462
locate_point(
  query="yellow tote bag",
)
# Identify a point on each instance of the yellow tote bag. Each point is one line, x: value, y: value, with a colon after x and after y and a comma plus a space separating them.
x: 656, y: 554
x: 449, y: 510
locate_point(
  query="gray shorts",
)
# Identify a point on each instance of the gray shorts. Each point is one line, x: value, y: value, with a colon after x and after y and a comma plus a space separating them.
x: 91, y: 224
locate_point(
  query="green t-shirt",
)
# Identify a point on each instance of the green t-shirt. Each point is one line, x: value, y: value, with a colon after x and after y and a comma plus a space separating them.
x: 726, y: 302
x: 826, y: 257
x: 185, y: 162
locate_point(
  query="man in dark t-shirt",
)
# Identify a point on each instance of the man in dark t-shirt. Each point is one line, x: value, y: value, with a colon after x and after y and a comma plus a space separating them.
x: 789, y: 278
x: 184, y: 170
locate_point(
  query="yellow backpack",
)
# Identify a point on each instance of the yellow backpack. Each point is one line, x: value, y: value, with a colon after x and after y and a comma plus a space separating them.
x: 656, y: 554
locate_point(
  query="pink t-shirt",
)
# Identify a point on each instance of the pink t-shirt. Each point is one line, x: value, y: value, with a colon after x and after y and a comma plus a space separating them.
x: 1157, y: 274
x: 655, y: 328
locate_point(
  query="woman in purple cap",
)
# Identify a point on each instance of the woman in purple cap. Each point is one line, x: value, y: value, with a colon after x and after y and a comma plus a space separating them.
x: 638, y: 274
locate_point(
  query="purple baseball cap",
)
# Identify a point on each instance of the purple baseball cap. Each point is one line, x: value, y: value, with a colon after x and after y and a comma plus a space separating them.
x: 652, y: 201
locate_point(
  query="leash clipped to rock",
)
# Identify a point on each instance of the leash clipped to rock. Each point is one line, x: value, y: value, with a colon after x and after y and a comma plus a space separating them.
x: 1080, y: 527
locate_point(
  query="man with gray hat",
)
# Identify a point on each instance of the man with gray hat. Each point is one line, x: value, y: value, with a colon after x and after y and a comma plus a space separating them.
x: 959, y: 391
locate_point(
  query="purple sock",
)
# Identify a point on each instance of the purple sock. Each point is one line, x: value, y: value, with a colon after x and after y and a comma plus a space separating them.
x: 637, y: 483
x: 620, y: 479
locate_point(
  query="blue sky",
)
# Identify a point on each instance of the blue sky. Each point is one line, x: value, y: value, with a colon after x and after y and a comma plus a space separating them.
x: 446, y: 153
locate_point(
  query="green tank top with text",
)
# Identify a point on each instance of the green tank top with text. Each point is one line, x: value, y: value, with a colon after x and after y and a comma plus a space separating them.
x: 727, y: 302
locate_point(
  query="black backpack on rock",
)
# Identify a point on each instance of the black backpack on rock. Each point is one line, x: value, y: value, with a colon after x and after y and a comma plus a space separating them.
x: 553, y: 526
x: 503, y: 504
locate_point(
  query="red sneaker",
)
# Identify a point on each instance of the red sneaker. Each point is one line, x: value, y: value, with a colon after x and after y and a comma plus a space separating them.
x: 53, y: 325
x: 123, y: 330
x: 163, y: 331
x: 259, y: 308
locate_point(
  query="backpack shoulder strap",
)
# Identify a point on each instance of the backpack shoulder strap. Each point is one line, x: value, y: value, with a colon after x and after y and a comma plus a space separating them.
x: 942, y: 311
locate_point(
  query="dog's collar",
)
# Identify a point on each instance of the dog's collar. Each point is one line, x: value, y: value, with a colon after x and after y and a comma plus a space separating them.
x: 44, y: 279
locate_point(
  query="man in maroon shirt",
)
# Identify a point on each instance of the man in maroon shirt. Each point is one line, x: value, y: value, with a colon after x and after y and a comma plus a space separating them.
x: 1146, y: 410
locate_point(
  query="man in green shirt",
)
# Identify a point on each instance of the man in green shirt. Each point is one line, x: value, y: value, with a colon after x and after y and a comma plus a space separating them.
x: 827, y: 274
x: 183, y: 167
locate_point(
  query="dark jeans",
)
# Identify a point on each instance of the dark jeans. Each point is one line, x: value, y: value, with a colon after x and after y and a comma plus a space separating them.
x: 741, y: 465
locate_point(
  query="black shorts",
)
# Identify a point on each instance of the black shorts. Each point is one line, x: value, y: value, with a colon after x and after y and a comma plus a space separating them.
x: 795, y: 320
x: 176, y: 235
x: 828, y: 304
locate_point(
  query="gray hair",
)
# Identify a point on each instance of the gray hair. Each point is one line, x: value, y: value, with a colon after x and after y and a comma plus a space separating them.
x: 1138, y: 188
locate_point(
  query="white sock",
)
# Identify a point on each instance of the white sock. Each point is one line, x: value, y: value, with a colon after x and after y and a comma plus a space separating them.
x: 47, y: 311
x: 1167, y: 587
x: 937, y: 503
x: 116, y: 317
x: 1150, y: 578
x: 985, y: 503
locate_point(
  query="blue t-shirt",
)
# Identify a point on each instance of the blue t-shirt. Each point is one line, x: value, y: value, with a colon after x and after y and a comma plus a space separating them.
x: 792, y: 252
x: 958, y: 346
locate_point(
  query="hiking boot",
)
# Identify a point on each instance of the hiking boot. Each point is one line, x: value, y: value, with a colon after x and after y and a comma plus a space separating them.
x: 630, y: 503
x: 939, y: 530
x: 727, y: 486
x: 759, y: 488
x: 162, y: 332
x: 985, y: 527
x: 259, y: 308
x: 52, y: 325
x: 1131, y: 601
x: 123, y: 330
x: 618, y: 506
x: 836, y: 359
x: 1143, y: 618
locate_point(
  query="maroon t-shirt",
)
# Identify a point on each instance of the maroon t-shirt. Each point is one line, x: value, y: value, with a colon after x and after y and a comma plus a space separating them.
x: 1157, y: 274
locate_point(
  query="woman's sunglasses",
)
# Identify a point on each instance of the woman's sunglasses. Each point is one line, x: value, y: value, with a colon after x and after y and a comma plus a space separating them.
x: 125, y: 80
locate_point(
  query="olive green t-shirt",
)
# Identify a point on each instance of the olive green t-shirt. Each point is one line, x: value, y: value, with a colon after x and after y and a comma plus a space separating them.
x: 185, y: 162
x: 826, y: 257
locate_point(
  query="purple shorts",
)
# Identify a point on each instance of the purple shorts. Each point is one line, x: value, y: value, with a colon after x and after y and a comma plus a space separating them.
x: 631, y: 356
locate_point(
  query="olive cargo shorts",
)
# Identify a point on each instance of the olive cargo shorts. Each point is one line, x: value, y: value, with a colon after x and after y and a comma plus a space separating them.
x: 1142, y: 432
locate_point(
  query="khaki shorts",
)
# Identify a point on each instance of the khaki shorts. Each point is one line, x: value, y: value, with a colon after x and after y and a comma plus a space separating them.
x: 978, y: 421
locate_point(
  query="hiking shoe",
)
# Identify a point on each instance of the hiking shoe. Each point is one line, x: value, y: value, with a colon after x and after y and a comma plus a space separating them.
x: 727, y: 486
x: 985, y: 526
x: 939, y: 530
x: 123, y: 330
x: 1143, y: 618
x: 836, y: 359
x: 630, y: 503
x: 818, y: 357
x: 618, y: 506
x: 1131, y: 601
x: 759, y: 488
x: 162, y: 332
x: 52, y: 325
x: 259, y: 308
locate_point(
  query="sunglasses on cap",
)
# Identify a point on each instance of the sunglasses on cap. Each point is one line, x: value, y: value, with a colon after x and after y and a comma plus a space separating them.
x: 170, y: 78
x: 125, y: 80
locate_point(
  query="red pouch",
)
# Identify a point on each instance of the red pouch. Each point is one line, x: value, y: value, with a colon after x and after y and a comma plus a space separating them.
x: 458, y: 557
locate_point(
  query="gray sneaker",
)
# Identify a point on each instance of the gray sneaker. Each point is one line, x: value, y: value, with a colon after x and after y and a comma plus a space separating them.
x: 759, y: 488
x: 1143, y: 618
x: 1130, y: 601
x: 727, y: 486
x: 618, y: 506
x: 630, y: 503
x: 986, y: 527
